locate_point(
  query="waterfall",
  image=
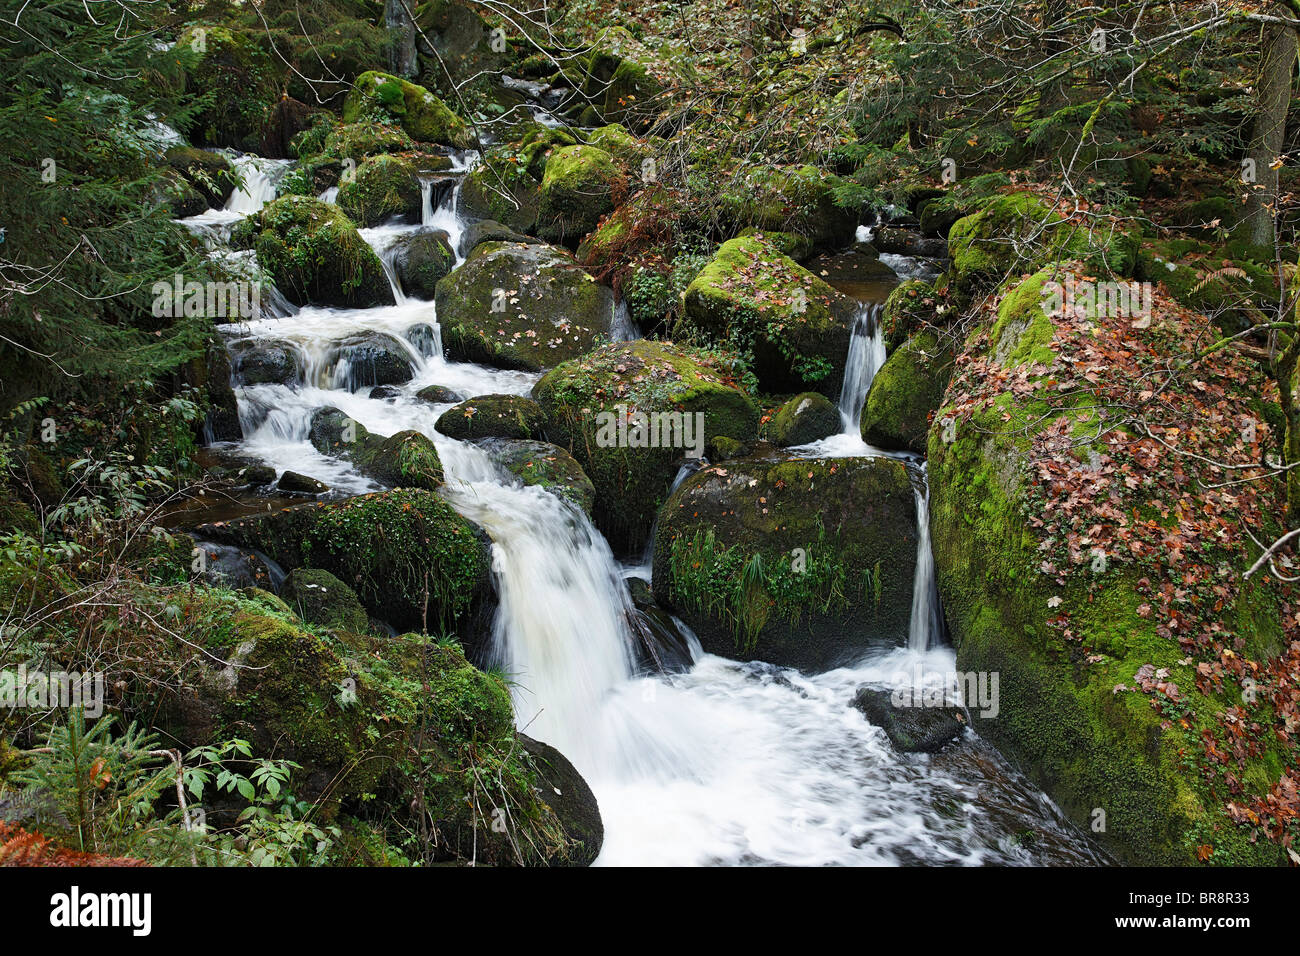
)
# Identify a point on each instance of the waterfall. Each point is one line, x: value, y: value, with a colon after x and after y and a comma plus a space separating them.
x: 426, y: 202
x: 866, y: 355
x: 446, y: 218
x: 383, y: 240
x: 260, y: 177
x: 925, y: 628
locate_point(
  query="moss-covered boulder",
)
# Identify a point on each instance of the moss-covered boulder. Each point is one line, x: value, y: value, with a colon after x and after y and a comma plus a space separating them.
x: 905, y: 393
x: 494, y: 416
x: 318, y: 597
x: 797, y: 201
x: 546, y: 465
x: 421, y: 260
x: 382, y: 97
x: 581, y: 184
x: 396, y: 549
x: 383, y: 187
x: 802, y: 563
x: 1210, y: 279
x: 603, y: 406
x: 502, y: 189
x: 752, y: 298
x: 910, y: 305
x: 1018, y: 232
x: 238, y: 77
x: 1094, y: 562
x: 387, y: 732
x: 803, y: 419
x: 623, y: 76
x: 406, y: 459
x: 315, y: 255
x: 521, y: 306
x: 356, y: 141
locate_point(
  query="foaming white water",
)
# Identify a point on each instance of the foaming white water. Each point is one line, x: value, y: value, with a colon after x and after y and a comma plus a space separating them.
x: 448, y: 220
x: 260, y: 177
x: 383, y: 240
x: 866, y: 355
x: 330, y: 195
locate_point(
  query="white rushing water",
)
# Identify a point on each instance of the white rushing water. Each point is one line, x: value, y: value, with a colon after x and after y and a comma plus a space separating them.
x: 866, y: 355
x: 725, y: 763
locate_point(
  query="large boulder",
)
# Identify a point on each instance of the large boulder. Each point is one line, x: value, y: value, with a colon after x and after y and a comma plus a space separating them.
x: 266, y: 362
x: 805, y: 418
x: 1017, y: 232
x: 314, y: 254
x: 382, y: 97
x: 803, y: 563
x: 406, y: 459
x: 630, y: 412
x: 798, y: 201
x: 623, y: 76
x: 905, y: 393
x: 494, y: 416
x: 235, y: 76
x: 210, y: 175
x: 520, y: 306
x: 318, y: 597
x: 502, y: 190
x: 365, y: 359
x: 406, y: 553
x: 797, y: 327
x: 581, y: 184
x: 421, y: 259
x: 383, y: 187
x: 404, y: 723
x: 546, y: 465
x: 1091, y: 527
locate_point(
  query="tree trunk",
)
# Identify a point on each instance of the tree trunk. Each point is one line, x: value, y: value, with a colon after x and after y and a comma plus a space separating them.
x: 401, y: 38
x: 1273, y: 96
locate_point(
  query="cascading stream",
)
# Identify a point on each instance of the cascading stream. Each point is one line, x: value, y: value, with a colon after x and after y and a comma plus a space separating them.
x: 726, y: 763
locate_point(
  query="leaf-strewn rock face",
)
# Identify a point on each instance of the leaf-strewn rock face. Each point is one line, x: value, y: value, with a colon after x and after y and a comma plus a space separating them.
x: 494, y: 416
x: 1096, y: 566
x: 521, y: 306
x: 803, y: 563
x: 424, y: 117
x: 315, y: 255
x: 752, y: 298
x: 584, y: 399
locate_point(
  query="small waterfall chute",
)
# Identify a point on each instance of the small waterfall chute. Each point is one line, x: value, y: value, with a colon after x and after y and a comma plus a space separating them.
x: 866, y: 356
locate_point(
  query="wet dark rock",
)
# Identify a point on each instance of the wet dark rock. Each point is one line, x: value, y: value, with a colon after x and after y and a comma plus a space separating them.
x: 914, y: 729
x: 908, y: 242
x: 262, y: 362
x: 294, y: 483
x: 439, y: 395
x: 374, y: 358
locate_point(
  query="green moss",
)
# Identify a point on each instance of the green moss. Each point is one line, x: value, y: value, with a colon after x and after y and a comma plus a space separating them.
x: 424, y: 117
x: 641, y: 376
x: 239, y: 78
x: 755, y: 300
x: 319, y: 597
x: 314, y: 254
x: 579, y: 186
x: 803, y: 419
x: 384, y: 186
x: 908, y: 388
x: 494, y: 416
